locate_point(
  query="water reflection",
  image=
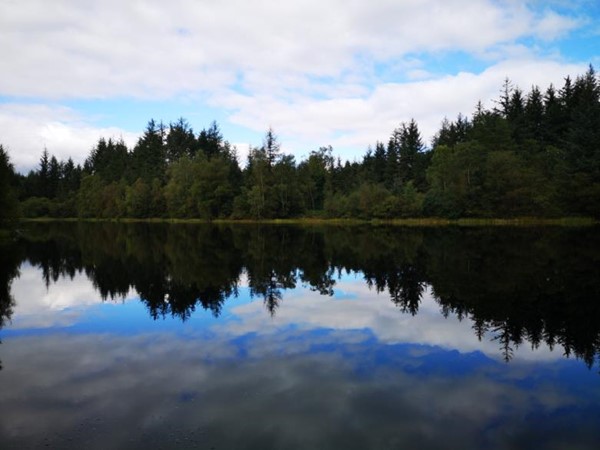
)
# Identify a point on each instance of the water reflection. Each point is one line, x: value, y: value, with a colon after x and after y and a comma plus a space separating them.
x: 347, y: 393
x: 285, y: 337
x: 9, y: 263
x: 515, y: 285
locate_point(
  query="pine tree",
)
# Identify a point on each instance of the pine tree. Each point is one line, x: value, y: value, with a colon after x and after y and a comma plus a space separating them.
x: 555, y: 122
x: 534, y: 115
x: 504, y: 103
x: 148, y: 157
x: 411, y: 145
x: 271, y: 147
x: 180, y: 141
x: 54, y: 172
x: 8, y: 201
x: 43, y: 175
x: 391, y: 166
x: 379, y: 163
x: 210, y: 141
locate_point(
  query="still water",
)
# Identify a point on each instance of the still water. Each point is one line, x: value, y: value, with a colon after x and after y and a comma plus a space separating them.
x: 248, y: 337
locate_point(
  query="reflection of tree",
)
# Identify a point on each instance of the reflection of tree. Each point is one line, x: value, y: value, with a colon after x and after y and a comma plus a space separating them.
x: 515, y: 285
x: 391, y: 260
x: 272, y: 259
x: 522, y: 285
x: 271, y: 294
x: 406, y: 288
x: 314, y: 263
x: 173, y: 268
x: 9, y: 264
x: 9, y: 270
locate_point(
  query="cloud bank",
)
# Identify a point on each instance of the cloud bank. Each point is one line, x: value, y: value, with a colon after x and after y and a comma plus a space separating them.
x: 341, y: 73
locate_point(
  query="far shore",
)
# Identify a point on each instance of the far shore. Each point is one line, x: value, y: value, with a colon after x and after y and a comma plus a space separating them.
x: 412, y: 222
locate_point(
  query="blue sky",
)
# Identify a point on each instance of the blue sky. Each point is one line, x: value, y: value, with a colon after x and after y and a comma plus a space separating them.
x: 334, y: 73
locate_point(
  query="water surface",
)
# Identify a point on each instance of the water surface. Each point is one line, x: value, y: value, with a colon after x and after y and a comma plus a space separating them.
x: 177, y: 336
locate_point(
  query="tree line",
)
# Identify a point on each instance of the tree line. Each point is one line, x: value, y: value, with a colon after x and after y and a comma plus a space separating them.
x: 533, y: 154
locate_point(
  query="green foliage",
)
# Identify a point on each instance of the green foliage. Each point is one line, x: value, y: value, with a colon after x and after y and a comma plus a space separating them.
x: 180, y: 141
x: 286, y: 189
x: 212, y: 190
x: 535, y: 154
x: 200, y: 187
x: 138, y: 199
x: 108, y: 159
x: 375, y: 201
x: 89, y: 201
x: 8, y: 200
x: 272, y: 186
x: 210, y: 141
x: 148, y: 159
x: 182, y: 175
x: 448, y: 181
x: 35, y: 207
x: 314, y: 177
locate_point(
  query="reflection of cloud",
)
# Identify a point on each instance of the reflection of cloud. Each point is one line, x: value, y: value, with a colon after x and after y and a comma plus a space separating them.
x: 359, y: 308
x: 59, y: 304
x: 362, y: 308
x: 157, y: 389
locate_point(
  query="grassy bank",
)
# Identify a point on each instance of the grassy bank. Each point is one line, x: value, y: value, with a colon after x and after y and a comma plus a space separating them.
x: 415, y: 222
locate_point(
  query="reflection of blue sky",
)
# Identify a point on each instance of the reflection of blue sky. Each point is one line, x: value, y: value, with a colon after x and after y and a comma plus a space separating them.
x: 345, y: 372
x: 292, y: 390
x: 75, y: 305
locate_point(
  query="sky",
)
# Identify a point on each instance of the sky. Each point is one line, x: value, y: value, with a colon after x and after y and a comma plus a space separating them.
x: 343, y: 73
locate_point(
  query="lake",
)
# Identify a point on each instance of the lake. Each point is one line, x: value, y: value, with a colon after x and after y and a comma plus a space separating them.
x: 328, y: 337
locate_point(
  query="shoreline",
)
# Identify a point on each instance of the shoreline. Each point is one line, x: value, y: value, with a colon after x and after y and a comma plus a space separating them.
x: 408, y: 222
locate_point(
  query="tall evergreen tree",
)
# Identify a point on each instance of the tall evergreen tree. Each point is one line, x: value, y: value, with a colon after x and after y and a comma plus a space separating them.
x: 555, y: 123
x: 391, y: 166
x: 452, y: 133
x: 315, y: 174
x: 534, y: 115
x: 43, y: 175
x: 109, y: 160
x: 210, y: 141
x: 8, y: 199
x: 379, y: 163
x: 411, y: 145
x: 148, y: 157
x: 271, y: 147
x: 54, y: 173
x: 180, y: 141
x: 70, y: 178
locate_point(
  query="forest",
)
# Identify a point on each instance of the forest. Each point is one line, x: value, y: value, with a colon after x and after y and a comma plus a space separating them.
x: 534, y: 154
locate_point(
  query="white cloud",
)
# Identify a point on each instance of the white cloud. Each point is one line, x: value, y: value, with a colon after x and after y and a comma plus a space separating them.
x: 159, y: 389
x: 366, y: 310
x: 356, y: 122
x: 242, y: 151
x: 311, y: 69
x: 552, y: 25
x: 349, y: 122
x: 60, y: 304
x: 28, y: 129
x: 153, y: 49
x: 65, y: 301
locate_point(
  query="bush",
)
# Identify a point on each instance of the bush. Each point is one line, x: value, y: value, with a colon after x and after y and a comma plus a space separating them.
x: 35, y: 207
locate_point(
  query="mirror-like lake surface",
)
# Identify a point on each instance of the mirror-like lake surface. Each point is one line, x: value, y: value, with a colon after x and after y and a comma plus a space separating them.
x: 233, y: 337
